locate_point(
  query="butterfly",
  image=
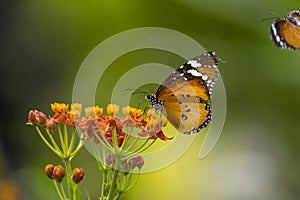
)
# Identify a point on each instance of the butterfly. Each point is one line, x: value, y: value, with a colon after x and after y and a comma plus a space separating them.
x: 184, y: 97
x: 285, y: 32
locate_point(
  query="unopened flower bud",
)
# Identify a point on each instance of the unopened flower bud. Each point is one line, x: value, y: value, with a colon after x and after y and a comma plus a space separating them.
x: 42, y: 118
x: 51, y: 126
x: 77, y: 175
x: 58, y: 173
x: 137, y: 161
x: 110, y: 159
x: 49, y: 170
x: 132, y: 163
x: 31, y: 117
x: 140, y: 161
x: 37, y: 118
x: 120, y: 140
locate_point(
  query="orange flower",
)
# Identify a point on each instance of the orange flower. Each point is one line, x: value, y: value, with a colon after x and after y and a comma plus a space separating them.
x: 62, y: 113
x: 136, y: 114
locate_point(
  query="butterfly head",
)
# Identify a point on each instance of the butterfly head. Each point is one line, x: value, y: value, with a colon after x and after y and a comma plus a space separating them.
x: 293, y: 21
x: 155, y: 103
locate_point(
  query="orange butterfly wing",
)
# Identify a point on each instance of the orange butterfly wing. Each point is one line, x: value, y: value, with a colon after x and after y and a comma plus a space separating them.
x: 286, y: 32
x: 185, y: 94
x: 185, y: 103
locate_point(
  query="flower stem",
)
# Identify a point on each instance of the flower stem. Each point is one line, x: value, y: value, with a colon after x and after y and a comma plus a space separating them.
x: 68, y: 175
x: 78, y: 148
x: 66, y: 139
x: 104, y: 183
x: 58, y: 190
x: 54, y: 143
x: 114, y: 183
x: 72, y: 142
x: 63, y: 191
x: 46, y: 142
x: 63, y: 146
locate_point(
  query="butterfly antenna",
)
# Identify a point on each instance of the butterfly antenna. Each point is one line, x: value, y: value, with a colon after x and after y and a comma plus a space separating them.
x: 275, y: 16
x: 135, y: 91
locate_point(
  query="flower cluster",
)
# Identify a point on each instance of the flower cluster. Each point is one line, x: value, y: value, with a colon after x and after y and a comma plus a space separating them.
x: 121, y: 140
x: 98, y: 126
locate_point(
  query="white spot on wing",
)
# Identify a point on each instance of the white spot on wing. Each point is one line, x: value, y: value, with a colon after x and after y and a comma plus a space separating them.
x: 194, y: 63
x: 194, y: 72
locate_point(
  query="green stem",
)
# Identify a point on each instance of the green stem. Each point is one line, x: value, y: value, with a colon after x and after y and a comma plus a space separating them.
x: 138, y: 150
x: 115, y: 138
x: 75, y: 152
x: 103, y: 141
x: 128, y: 187
x: 104, y: 184
x: 72, y: 142
x: 57, y: 190
x: 53, y: 142
x: 61, y: 140
x: 115, y: 178
x: 132, y: 144
x: 68, y: 175
x: 117, y: 197
x: 63, y: 191
x: 66, y: 139
x: 145, y: 148
x: 47, y: 143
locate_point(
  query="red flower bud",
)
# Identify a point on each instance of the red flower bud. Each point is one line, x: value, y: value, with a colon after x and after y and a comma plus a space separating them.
x: 42, y: 119
x: 77, y: 175
x: 49, y: 170
x: 110, y: 159
x: 59, y: 173
x: 31, y: 117
x: 51, y: 126
x: 140, y: 161
x: 137, y: 161
x: 37, y: 118
x: 120, y: 140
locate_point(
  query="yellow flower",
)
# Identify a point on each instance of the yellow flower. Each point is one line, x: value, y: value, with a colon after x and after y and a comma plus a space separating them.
x: 98, y: 112
x: 152, y: 114
x: 90, y: 112
x: 60, y: 108
x: 112, y: 109
x: 127, y: 110
x: 136, y: 114
x: 76, y: 109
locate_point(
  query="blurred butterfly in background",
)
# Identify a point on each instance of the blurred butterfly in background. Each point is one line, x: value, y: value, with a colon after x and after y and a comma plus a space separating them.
x: 285, y: 32
x: 184, y: 97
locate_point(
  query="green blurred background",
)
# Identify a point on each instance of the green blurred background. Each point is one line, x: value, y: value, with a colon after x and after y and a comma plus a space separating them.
x: 43, y: 44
